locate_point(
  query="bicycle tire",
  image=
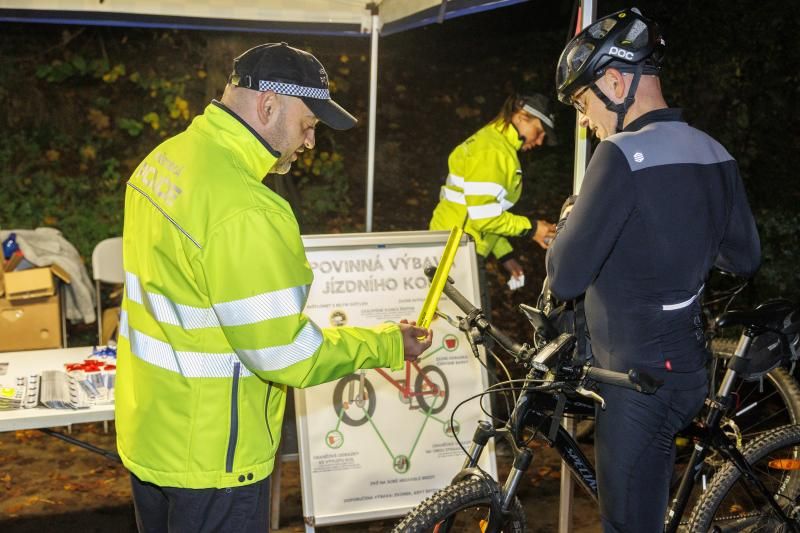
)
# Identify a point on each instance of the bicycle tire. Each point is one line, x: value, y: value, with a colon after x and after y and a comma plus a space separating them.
x: 339, y: 400
x: 467, y: 494
x: 419, y: 385
x: 780, y: 443
x: 724, y: 346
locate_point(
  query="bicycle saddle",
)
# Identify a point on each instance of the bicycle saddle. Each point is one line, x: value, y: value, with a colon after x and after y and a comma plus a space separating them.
x: 769, y: 315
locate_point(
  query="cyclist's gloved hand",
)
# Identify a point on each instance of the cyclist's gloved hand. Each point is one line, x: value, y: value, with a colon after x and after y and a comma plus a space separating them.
x: 415, y: 339
x: 545, y: 233
x: 565, y: 210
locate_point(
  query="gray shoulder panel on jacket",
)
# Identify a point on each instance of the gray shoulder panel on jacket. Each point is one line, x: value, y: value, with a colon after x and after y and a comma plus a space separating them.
x: 668, y: 143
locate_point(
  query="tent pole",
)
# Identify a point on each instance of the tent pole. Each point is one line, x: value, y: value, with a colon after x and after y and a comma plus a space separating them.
x: 373, y: 97
x: 587, y: 14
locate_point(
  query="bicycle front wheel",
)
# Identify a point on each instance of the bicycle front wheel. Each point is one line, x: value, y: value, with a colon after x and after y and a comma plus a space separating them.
x: 733, y: 504
x: 464, y: 507
x: 352, y: 402
x: 432, y: 389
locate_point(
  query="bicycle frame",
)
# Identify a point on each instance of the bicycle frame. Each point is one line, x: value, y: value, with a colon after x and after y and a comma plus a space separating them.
x: 406, y: 389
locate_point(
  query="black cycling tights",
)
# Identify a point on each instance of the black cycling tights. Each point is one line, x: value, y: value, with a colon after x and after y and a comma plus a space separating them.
x: 635, y: 453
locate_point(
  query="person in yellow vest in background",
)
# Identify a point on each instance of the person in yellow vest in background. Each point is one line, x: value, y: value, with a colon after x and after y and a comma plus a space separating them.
x: 485, y: 181
x: 212, y: 327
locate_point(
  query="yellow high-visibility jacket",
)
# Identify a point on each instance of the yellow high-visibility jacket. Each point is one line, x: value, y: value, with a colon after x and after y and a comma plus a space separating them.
x: 484, y: 182
x: 212, y: 328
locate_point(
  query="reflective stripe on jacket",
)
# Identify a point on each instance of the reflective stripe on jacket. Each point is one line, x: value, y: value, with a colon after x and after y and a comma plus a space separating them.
x: 485, y: 181
x: 212, y: 327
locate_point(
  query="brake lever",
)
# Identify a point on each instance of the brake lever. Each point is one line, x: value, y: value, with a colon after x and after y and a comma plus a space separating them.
x: 470, y: 332
x: 592, y: 395
x: 450, y: 320
x: 462, y: 324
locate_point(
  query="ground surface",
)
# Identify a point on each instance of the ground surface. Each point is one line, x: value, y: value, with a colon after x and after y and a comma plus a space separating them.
x: 48, y: 484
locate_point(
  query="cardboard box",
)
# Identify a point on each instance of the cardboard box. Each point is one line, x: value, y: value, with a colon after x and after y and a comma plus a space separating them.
x: 31, y: 317
x: 110, y: 325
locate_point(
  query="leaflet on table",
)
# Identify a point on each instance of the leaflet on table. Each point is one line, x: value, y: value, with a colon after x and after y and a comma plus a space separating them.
x: 19, y: 393
x: 77, y: 385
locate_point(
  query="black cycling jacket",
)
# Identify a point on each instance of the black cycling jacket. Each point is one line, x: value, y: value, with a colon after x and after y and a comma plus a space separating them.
x: 661, y: 203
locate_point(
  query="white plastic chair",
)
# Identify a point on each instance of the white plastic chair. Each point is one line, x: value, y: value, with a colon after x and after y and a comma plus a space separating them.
x: 106, y: 268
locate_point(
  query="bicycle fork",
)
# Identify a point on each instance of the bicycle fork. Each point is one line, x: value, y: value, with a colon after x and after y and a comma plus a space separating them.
x: 503, y: 499
x: 358, y: 398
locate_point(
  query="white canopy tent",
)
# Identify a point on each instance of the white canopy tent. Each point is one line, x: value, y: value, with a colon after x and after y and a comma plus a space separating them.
x: 338, y: 17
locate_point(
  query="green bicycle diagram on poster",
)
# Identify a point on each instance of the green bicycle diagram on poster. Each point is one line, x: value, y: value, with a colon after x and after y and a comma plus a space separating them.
x: 355, y: 402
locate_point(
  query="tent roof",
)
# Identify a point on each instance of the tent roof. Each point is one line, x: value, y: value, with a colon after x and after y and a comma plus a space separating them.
x: 338, y: 17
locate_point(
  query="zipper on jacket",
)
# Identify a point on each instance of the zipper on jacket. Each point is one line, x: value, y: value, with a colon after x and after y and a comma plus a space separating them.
x: 266, y: 414
x: 234, y: 419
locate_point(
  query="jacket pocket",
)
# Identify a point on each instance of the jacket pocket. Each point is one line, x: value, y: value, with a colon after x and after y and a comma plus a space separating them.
x: 266, y: 414
x: 234, y: 419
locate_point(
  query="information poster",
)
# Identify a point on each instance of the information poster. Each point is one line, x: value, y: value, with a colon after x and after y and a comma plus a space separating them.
x: 375, y: 443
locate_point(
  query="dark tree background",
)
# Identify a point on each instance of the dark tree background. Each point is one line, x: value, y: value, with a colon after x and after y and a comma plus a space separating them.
x: 82, y: 105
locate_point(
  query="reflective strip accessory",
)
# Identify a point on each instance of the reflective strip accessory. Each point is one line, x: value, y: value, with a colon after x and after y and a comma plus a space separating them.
x: 250, y: 310
x: 685, y: 303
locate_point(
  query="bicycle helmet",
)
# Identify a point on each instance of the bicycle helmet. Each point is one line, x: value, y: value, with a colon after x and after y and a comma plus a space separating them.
x: 624, y: 40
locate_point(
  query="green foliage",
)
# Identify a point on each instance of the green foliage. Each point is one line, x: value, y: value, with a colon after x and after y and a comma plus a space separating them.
x: 780, y: 241
x: 133, y: 127
x: 99, y: 101
x: 77, y: 66
x: 67, y: 167
x: 39, y: 192
x: 324, y: 183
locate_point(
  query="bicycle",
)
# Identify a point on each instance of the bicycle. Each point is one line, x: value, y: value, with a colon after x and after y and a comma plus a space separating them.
x: 558, y: 386
x: 430, y: 390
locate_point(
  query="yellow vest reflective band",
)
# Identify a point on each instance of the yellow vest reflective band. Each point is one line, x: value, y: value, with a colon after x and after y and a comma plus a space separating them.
x: 212, y: 329
x: 484, y: 182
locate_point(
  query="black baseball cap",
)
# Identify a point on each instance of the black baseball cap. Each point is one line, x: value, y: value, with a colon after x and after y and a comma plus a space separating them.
x: 539, y: 106
x: 286, y: 70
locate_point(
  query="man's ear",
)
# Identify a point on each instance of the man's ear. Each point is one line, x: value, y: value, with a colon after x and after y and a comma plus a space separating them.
x: 268, y: 103
x: 616, y: 82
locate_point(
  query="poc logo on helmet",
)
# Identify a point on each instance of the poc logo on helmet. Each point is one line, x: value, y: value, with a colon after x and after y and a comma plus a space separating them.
x: 619, y: 52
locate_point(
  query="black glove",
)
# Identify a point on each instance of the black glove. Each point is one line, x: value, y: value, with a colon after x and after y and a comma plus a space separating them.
x: 568, y: 203
x: 565, y: 210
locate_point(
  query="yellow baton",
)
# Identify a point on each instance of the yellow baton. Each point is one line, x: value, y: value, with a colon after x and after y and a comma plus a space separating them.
x: 440, y: 278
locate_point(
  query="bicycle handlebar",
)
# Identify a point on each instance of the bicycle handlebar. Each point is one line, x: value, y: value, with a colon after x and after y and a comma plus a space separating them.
x: 632, y: 380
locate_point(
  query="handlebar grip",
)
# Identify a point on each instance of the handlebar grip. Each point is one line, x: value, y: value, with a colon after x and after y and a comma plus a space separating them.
x: 632, y: 380
x: 458, y: 298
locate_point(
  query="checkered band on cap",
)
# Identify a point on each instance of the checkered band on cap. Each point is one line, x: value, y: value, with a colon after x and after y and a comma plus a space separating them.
x: 291, y: 89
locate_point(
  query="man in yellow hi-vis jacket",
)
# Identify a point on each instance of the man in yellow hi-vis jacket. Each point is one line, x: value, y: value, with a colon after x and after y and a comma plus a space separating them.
x: 213, y: 329
x: 485, y: 181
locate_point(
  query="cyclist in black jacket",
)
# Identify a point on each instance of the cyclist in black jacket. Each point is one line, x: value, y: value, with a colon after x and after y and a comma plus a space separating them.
x: 661, y: 203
